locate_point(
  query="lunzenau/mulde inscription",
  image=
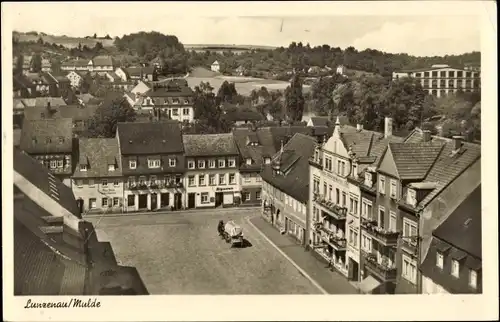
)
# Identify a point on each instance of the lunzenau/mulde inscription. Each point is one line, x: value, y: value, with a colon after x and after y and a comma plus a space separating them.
x: 72, y: 303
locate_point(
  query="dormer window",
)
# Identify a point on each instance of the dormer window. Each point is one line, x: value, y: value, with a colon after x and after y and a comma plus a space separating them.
x: 222, y: 163
x: 201, y: 164
x: 267, y: 160
x: 186, y: 101
x: 368, y: 179
x: 231, y: 163
x: 61, y: 140
x: 248, y: 161
x: 48, y: 140
x: 190, y: 164
x: 411, y: 197
x: 354, y: 170
x: 154, y: 163
x: 83, y: 167
x: 111, y: 167
x: 171, y: 162
x: 439, y: 260
x: 132, y: 164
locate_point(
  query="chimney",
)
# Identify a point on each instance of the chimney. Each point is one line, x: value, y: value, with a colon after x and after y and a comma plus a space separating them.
x: 457, y: 142
x: 388, y: 127
x: 359, y: 127
x: 426, y: 135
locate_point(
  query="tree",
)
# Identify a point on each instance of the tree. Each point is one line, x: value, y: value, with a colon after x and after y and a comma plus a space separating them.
x: 113, y: 110
x: 95, y: 36
x: 294, y: 100
x: 36, y: 63
x: 40, y: 40
x: 227, y: 92
x: 19, y: 65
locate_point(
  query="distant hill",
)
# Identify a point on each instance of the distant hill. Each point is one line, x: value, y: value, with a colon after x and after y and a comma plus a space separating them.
x: 227, y: 47
x: 68, y: 42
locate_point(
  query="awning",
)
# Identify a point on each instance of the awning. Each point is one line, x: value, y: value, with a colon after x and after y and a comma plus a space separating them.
x: 368, y: 285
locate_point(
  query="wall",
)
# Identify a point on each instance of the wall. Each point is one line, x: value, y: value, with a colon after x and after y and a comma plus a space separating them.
x: 429, y: 287
x: 227, y: 188
x: 98, y: 191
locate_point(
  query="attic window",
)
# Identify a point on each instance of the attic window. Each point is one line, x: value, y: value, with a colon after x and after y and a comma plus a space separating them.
x: 61, y: 140
x: 33, y: 140
x: 411, y: 198
x: 48, y: 140
x: 111, y: 167
x: 83, y: 167
x: 267, y: 160
x: 248, y: 161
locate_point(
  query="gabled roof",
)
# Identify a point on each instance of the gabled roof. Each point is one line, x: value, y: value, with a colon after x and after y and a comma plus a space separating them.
x: 243, y: 114
x: 319, y: 121
x: 210, y: 145
x: 164, y: 92
x: 75, y: 112
x: 413, y: 160
x: 47, y: 136
x: 102, y: 61
x: 284, y: 133
x: 462, y: 229
x: 150, y: 138
x: 138, y: 71
x: 41, y: 101
x: 265, y: 147
x: 75, y: 63
x: 295, y: 164
x: 98, y: 153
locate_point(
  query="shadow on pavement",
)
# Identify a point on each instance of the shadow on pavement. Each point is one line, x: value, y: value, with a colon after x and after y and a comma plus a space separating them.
x: 246, y: 243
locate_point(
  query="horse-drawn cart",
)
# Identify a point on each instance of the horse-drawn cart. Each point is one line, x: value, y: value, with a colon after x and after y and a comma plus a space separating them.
x: 232, y: 233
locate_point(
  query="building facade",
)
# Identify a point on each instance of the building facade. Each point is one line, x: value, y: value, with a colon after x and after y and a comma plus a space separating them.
x: 285, y: 187
x: 50, y: 141
x: 152, y: 158
x: 440, y: 80
x: 212, y: 176
x: 98, y: 180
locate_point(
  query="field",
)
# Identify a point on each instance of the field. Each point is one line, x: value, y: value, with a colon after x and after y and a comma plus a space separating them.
x: 244, y: 85
x: 69, y: 42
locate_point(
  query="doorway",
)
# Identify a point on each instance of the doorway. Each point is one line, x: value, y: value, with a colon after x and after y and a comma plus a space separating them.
x: 143, y: 201
x: 191, y: 200
x: 154, y: 201
x: 219, y: 199
x: 164, y: 199
x: 177, y: 200
x: 353, y: 270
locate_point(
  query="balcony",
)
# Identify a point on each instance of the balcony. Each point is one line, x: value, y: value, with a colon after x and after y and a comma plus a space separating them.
x: 316, y: 162
x: 383, y: 236
x: 382, y: 269
x: 337, y: 243
x: 336, y: 211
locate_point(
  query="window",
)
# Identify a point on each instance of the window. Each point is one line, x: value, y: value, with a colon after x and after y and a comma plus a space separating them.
x: 91, y: 183
x: 201, y: 164
x: 344, y: 199
x: 132, y: 164
x: 267, y: 160
x: 201, y: 180
x: 366, y: 243
x: 355, y: 206
x: 439, y: 260
x: 353, y: 237
x: 232, y: 178
x: 410, y: 231
x: 104, y: 183
x: 328, y: 164
x: 451, y: 73
x: 245, y: 196
x: 381, y: 216
x: 455, y: 268
x: 211, y: 179
x: 211, y: 164
x: 104, y: 202
x: 409, y: 270
x: 222, y: 163
x: 459, y: 74
x: 175, y: 112
x: 152, y: 180
x: 381, y: 185
x: 53, y: 164
x: 258, y: 178
x: 324, y: 189
x: 411, y: 197
x: 111, y: 167
x: 83, y: 167
x: 191, y: 181
x: 392, y: 221
x: 185, y: 111
x: 393, y: 189
x: 116, y: 183
x: 247, y: 178
x: 366, y: 210
x: 171, y: 162
x: 92, y: 203
x: 426, y: 74
x: 231, y: 163
x: 59, y: 163
x: 190, y: 164
x: 472, y: 278
x: 434, y: 74
x: 258, y: 195
x: 330, y: 192
x: 442, y: 73
x: 204, y: 197
x: 79, y: 183
x: 222, y: 178
x: 354, y: 170
x: 248, y: 161
x: 131, y: 200
x: 116, y: 202
x: 337, y: 196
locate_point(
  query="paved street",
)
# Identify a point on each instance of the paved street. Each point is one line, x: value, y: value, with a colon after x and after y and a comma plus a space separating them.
x: 181, y: 253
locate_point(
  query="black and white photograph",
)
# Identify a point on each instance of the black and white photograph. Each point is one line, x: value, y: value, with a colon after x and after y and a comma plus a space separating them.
x: 236, y: 149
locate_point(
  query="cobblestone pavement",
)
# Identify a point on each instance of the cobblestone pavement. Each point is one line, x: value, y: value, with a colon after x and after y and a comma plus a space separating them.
x: 181, y: 253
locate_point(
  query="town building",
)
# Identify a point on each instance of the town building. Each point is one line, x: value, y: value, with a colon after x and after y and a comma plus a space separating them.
x: 240, y: 71
x: 56, y: 252
x: 173, y: 101
x: 76, y: 78
x: 318, y: 121
x: 99, y: 64
x: 453, y: 263
x: 440, y: 80
x: 147, y: 74
x: 141, y: 88
x: 215, y: 67
x: 75, y: 65
x: 341, y: 70
x: 212, y: 170
x: 256, y: 150
x: 50, y: 142
x: 153, y: 165
x: 43, y: 83
x: 285, y: 187
x: 22, y: 87
x: 241, y: 115
x: 98, y: 179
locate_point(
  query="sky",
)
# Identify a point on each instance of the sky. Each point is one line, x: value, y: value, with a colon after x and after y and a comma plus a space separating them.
x: 422, y: 35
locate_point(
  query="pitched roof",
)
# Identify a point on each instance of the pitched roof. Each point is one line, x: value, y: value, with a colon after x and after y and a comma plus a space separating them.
x: 113, y: 75
x: 102, y: 61
x: 138, y: 71
x: 209, y: 144
x: 41, y: 101
x: 75, y: 63
x: 150, y: 138
x: 47, y: 136
x: 264, y: 146
x: 243, y: 114
x: 284, y: 133
x: 75, y: 112
x: 180, y: 91
x: 295, y: 164
x: 319, y: 121
x: 413, y: 160
x: 85, y: 97
x: 462, y: 229
x: 97, y: 153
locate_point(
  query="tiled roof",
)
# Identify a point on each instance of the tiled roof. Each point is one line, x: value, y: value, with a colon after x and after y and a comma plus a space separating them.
x: 462, y: 229
x: 319, y: 121
x: 265, y: 147
x: 164, y: 92
x: 150, y: 138
x: 413, y: 160
x: 20, y: 81
x: 284, y: 133
x: 97, y: 154
x: 41, y: 101
x: 47, y: 136
x: 448, y: 166
x: 40, y: 177
x: 102, y: 61
x: 114, y: 76
x: 295, y: 159
x: 243, y: 114
x: 76, y: 63
x: 137, y: 71
x: 16, y: 133
x: 210, y: 144
x: 85, y: 97
x: 75, y: 112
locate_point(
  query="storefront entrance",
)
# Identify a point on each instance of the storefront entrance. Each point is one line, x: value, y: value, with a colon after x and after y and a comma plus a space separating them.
x: 353, y: 270
x: 154, y: 201
x: 143, y: 201
x: 165, y: 200
x: 177, y: 200
x: 191, y: 200
x: 219, y: 199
